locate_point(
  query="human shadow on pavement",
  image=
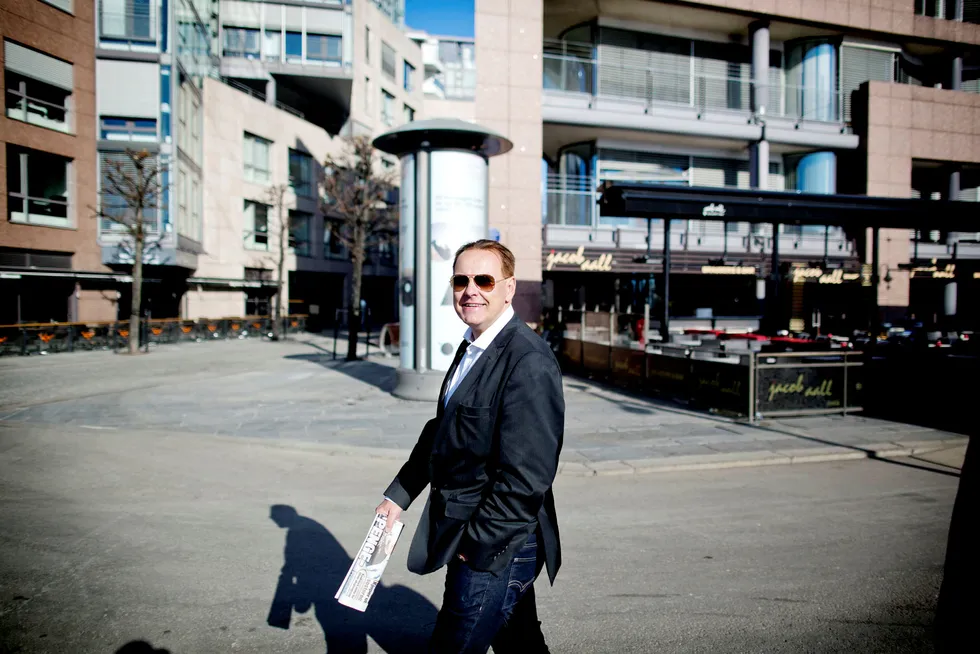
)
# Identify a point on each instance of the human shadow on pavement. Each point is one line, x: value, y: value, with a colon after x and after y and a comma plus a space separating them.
x: 369, y: 372
x: 398, y: 618
x: 140, y: 647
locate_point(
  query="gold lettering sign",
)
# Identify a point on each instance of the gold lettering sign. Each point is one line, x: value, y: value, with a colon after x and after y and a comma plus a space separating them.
x: 797, y: 387
x: 838, y: 276
x: 601, y: 264
x: 728, y: 270
x: 949, y: 272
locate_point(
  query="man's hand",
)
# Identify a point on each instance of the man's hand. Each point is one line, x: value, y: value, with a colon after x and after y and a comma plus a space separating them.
x: 390, y: 509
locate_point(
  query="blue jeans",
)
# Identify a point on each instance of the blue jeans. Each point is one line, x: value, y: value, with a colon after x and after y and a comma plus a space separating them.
x: 480, y: 609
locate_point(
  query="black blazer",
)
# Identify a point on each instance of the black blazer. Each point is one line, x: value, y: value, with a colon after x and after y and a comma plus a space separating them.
x: 491, y: 457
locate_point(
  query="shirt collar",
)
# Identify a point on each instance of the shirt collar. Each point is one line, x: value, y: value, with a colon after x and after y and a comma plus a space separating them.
x: 486, y: 338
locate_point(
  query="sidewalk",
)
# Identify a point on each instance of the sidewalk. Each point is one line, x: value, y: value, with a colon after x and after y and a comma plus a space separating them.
x: 295, y: 391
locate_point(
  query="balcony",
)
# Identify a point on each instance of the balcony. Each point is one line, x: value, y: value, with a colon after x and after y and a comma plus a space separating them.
x: 571, y: 219
x: 581, y: 89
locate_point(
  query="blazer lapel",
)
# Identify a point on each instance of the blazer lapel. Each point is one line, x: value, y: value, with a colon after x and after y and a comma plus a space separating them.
x: 485, y: 361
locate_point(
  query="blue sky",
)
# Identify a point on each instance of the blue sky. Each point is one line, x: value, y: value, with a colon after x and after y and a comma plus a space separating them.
x: 441, y: 17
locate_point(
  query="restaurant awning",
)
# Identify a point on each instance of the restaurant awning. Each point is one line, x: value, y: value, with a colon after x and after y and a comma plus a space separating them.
x: 786, y: 207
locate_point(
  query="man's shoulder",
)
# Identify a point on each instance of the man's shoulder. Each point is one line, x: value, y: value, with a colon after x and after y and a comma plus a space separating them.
x: 528, y: 342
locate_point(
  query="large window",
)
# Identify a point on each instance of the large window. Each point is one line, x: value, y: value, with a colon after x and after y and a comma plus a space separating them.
x: 272, y: 45
x: 294, y: 47
x: 256, y: 225
x: 299, y: 232
x: 333, y: 247
x: 409, y: 74
x: 36, y: 102
x: 130, y: 20
x: 118, y: 163
x: 127, y: 129
x: 323, y: 47
x: 388, y: 61
x: 257, y: 159
x: 301, y: 173
x: 241, y: 42
x: 387, y: 108
x: 37, y: 187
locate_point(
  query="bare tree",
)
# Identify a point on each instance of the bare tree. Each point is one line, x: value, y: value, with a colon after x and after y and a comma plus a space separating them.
x: 276, y: 196
x: 131, y: 194
x: 354, y: 196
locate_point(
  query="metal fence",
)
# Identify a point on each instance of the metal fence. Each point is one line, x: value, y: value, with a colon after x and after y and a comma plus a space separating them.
x: 613, y: 347
x: 49, y: 338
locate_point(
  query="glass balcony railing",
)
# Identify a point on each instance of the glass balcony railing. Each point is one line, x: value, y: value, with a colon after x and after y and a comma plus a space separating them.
x: 572, y: 68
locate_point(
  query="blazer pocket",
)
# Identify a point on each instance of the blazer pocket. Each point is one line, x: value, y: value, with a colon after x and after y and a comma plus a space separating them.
x: 460, y: 510
x: 474, y: 430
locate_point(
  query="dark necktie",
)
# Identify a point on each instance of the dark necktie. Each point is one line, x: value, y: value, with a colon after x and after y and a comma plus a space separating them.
x: 460, y: 351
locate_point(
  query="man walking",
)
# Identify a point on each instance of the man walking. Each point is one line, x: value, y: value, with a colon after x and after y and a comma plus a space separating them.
x: 490, y: 455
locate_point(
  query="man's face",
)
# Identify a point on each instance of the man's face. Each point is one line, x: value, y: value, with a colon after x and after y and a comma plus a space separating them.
x: 478, y: 308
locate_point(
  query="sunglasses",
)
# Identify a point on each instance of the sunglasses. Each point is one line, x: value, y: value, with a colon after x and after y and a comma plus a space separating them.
x: 485, y: 283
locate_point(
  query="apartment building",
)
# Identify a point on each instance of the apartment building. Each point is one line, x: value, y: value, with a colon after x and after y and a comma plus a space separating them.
x: 294, y: 77
x: 449, y: 75
x: 151, y: 59
x: 50, y: 264
x: 868, y: 97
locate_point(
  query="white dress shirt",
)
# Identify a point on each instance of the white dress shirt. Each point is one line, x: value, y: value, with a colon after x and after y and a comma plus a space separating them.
x: 476, y: 349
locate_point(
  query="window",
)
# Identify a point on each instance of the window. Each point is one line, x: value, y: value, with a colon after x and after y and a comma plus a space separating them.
x: 409, y: 114
x: 367, y: 95
x: 321, y: 47
x: 936, y: 8
x: 37, y: 187
x: 127, y: 129
x: 387, y: 108
x: 36, y: 102
x: 301, y: 173
x: 294, y: 46
x: 272, y: 45
x: 257, y: 159
x: 256, y: 225
x: 367, y: 44
x: 388, y: 61
x: 299, y: 232
x: 409, y: 73
x: 333, y: 248
x: 128, y: 20
x: 241, y: 42
x: 112, y: 205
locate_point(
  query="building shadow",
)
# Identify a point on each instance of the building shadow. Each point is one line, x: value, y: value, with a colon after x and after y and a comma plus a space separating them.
x: 376, y: 374
x: 398, y: 619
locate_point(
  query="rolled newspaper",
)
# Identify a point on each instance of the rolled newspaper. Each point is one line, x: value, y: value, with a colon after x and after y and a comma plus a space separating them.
x: 365, y: 572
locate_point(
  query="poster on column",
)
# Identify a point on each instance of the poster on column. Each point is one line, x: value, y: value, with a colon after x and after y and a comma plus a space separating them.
x: 406, y: 258
x: 458, y: 195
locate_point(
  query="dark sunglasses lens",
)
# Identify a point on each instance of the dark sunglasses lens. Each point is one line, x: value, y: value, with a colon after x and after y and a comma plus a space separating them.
x: 484, y: 282
x: 460, y: 282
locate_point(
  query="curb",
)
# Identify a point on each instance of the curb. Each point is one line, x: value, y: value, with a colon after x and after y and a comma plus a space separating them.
x: 725, y: 460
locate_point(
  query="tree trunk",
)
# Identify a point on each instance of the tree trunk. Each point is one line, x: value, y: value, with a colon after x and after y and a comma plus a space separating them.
x: 280, y: 266
x: 354, y: 315
x: 134, y: 310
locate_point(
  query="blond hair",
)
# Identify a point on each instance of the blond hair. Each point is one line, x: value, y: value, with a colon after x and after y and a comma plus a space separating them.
x: 502, y: 251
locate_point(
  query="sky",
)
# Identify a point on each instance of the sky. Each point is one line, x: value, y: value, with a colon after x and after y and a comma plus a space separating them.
x: 440, y: 17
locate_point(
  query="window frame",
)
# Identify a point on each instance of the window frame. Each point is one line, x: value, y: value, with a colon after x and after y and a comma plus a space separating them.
x: 327, y: 40
x: 23, y: 93
x: 131, y: 129
x: 249, y: 141
x: 408, y: 114
x: 387, y: 108
x: 24, y: 196
x: 294, y: 242
x: 408, y: 73
x: 242, y: 52
x: 388, y: 54
x: 306, y: 169
x: 253, y: 233
x: 130, y: 19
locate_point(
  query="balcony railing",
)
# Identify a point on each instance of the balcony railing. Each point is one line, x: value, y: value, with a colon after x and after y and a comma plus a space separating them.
x: 572, y: 68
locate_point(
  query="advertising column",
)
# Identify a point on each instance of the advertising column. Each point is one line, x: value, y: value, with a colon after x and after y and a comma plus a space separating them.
x: 458, y: 214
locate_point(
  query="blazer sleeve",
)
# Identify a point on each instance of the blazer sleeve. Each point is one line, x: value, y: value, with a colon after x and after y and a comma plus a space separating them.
x: 414, y: 475
x: 531, y: 428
